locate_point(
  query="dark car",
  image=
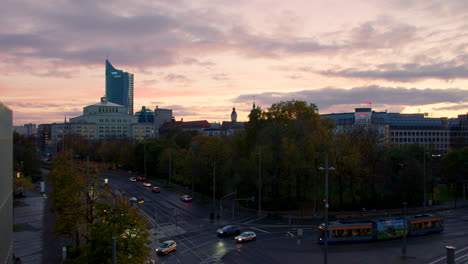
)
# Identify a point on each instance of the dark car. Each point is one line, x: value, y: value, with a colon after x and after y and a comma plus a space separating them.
x: 230, y: 230
x: 156, y: 189
x: 142, y: 179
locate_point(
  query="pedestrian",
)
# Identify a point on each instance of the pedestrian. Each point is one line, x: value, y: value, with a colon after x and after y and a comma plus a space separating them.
x: 218, y: 216
x: 211, y: 217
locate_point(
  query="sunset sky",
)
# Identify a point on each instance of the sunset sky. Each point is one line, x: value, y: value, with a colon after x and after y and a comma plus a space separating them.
x: 201, y: 58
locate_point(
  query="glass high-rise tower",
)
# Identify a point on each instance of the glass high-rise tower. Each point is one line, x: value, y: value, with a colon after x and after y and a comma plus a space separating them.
x: 119, y: 87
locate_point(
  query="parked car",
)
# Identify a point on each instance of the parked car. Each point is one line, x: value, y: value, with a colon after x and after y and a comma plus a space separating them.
x: 147, y: 184
x: 156, y: 189
x: 186, y: 198
x: 166, y: 247
x: 133, y: 179
x: 246, y: 236
x: 230, y: 230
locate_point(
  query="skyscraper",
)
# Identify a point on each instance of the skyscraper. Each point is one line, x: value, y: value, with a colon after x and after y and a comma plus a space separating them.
x: 119, y: 87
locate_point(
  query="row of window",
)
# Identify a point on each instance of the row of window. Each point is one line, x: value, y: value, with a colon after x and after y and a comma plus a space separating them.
x: 114, y: 120
x: 345, y: 233
x: 437, y: 146
x: 418, y: 133
x: 420, y: 140
x: 108, y: 109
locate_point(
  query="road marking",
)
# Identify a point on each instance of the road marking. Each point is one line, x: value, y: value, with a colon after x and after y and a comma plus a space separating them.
x: 255, y: 219
x: 260, y: 230
x: 444, y: 257
x: 289, y: 233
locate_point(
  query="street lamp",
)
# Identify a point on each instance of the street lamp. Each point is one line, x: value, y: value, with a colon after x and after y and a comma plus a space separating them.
x: 424, y: 176
x: 260, y: 181
x: 326, y: 169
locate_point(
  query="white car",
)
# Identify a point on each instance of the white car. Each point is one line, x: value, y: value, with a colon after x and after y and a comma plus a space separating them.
x: 166, y: 247
x: 246, y: 236
x: 147, y: 184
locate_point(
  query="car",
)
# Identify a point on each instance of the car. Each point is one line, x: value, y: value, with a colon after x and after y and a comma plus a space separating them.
x: 136, y: 200
x: 246, y: 236
x: 186, y: 198
x: 142, y: 179
x: 156, y: 189
x: 147, y: 184
x: 166, y: 247
x: 133, y: 179
x: 229, y: 230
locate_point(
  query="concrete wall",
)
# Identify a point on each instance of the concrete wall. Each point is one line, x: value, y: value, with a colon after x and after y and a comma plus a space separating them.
x: 6, y: 185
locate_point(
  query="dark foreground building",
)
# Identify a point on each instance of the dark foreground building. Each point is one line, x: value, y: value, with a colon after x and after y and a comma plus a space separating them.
x: 6, y: 185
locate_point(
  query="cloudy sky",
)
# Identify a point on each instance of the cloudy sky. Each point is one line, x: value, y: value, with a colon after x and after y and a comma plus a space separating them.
x: 201, y: 58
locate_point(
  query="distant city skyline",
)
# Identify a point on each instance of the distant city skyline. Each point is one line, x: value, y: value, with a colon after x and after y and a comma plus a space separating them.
x: 203, y: 58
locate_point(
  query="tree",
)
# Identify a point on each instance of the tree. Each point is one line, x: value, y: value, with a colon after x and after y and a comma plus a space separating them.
x: 117, y: 219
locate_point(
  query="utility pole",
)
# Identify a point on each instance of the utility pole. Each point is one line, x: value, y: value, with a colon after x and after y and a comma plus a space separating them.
x: 169, y: 176
x: 114, y: 250
x: 260, y: 181
x: 214, y: 186
x: 326, y: 169
x: 144, y: 156
x: 424, y: 180
x: 403, y: 249
x: 315, y: 188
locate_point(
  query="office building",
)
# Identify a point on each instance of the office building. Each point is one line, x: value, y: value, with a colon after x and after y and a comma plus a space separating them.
x: 103, y: 121
x: 145, y: 115
x: 162, y: 116
x: 437, y: 134
x: 6, y: 185
x: 26, y: 130
x: 119, y: 87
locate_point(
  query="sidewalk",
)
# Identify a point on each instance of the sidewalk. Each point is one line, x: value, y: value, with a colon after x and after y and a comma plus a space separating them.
x: 28, y: 226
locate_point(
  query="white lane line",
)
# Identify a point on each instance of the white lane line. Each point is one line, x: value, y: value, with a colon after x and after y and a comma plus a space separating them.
x: 289, y: 233
x: 444, y: 257
x: 260, y: 230
x: 255, y: 219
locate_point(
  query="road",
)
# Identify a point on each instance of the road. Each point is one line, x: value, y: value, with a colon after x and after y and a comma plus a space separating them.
x: 277, y: 242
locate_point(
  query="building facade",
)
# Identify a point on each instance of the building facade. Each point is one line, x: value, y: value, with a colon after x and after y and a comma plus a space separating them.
x: 119, y: 87
x: 103, y: 121
x: 162, y: 116
x: 26, y: 130
x: 145, y: 115
x: 437, y: 134
x: 6, y: 185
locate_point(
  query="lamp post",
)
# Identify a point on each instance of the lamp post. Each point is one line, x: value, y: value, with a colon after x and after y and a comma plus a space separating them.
x: 315, y: 186
x: 326, y: 169
x: 214, y: 186
x: 403, y: 249
x: 169, y: 174
x: 260, y: 181
x: 424, y: 180
x: 144, y: 156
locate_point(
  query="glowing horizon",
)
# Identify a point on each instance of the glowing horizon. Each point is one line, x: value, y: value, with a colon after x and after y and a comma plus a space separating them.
x: 201, y: 59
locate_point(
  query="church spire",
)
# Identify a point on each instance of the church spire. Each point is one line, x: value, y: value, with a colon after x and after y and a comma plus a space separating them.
x: 233, y: 115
